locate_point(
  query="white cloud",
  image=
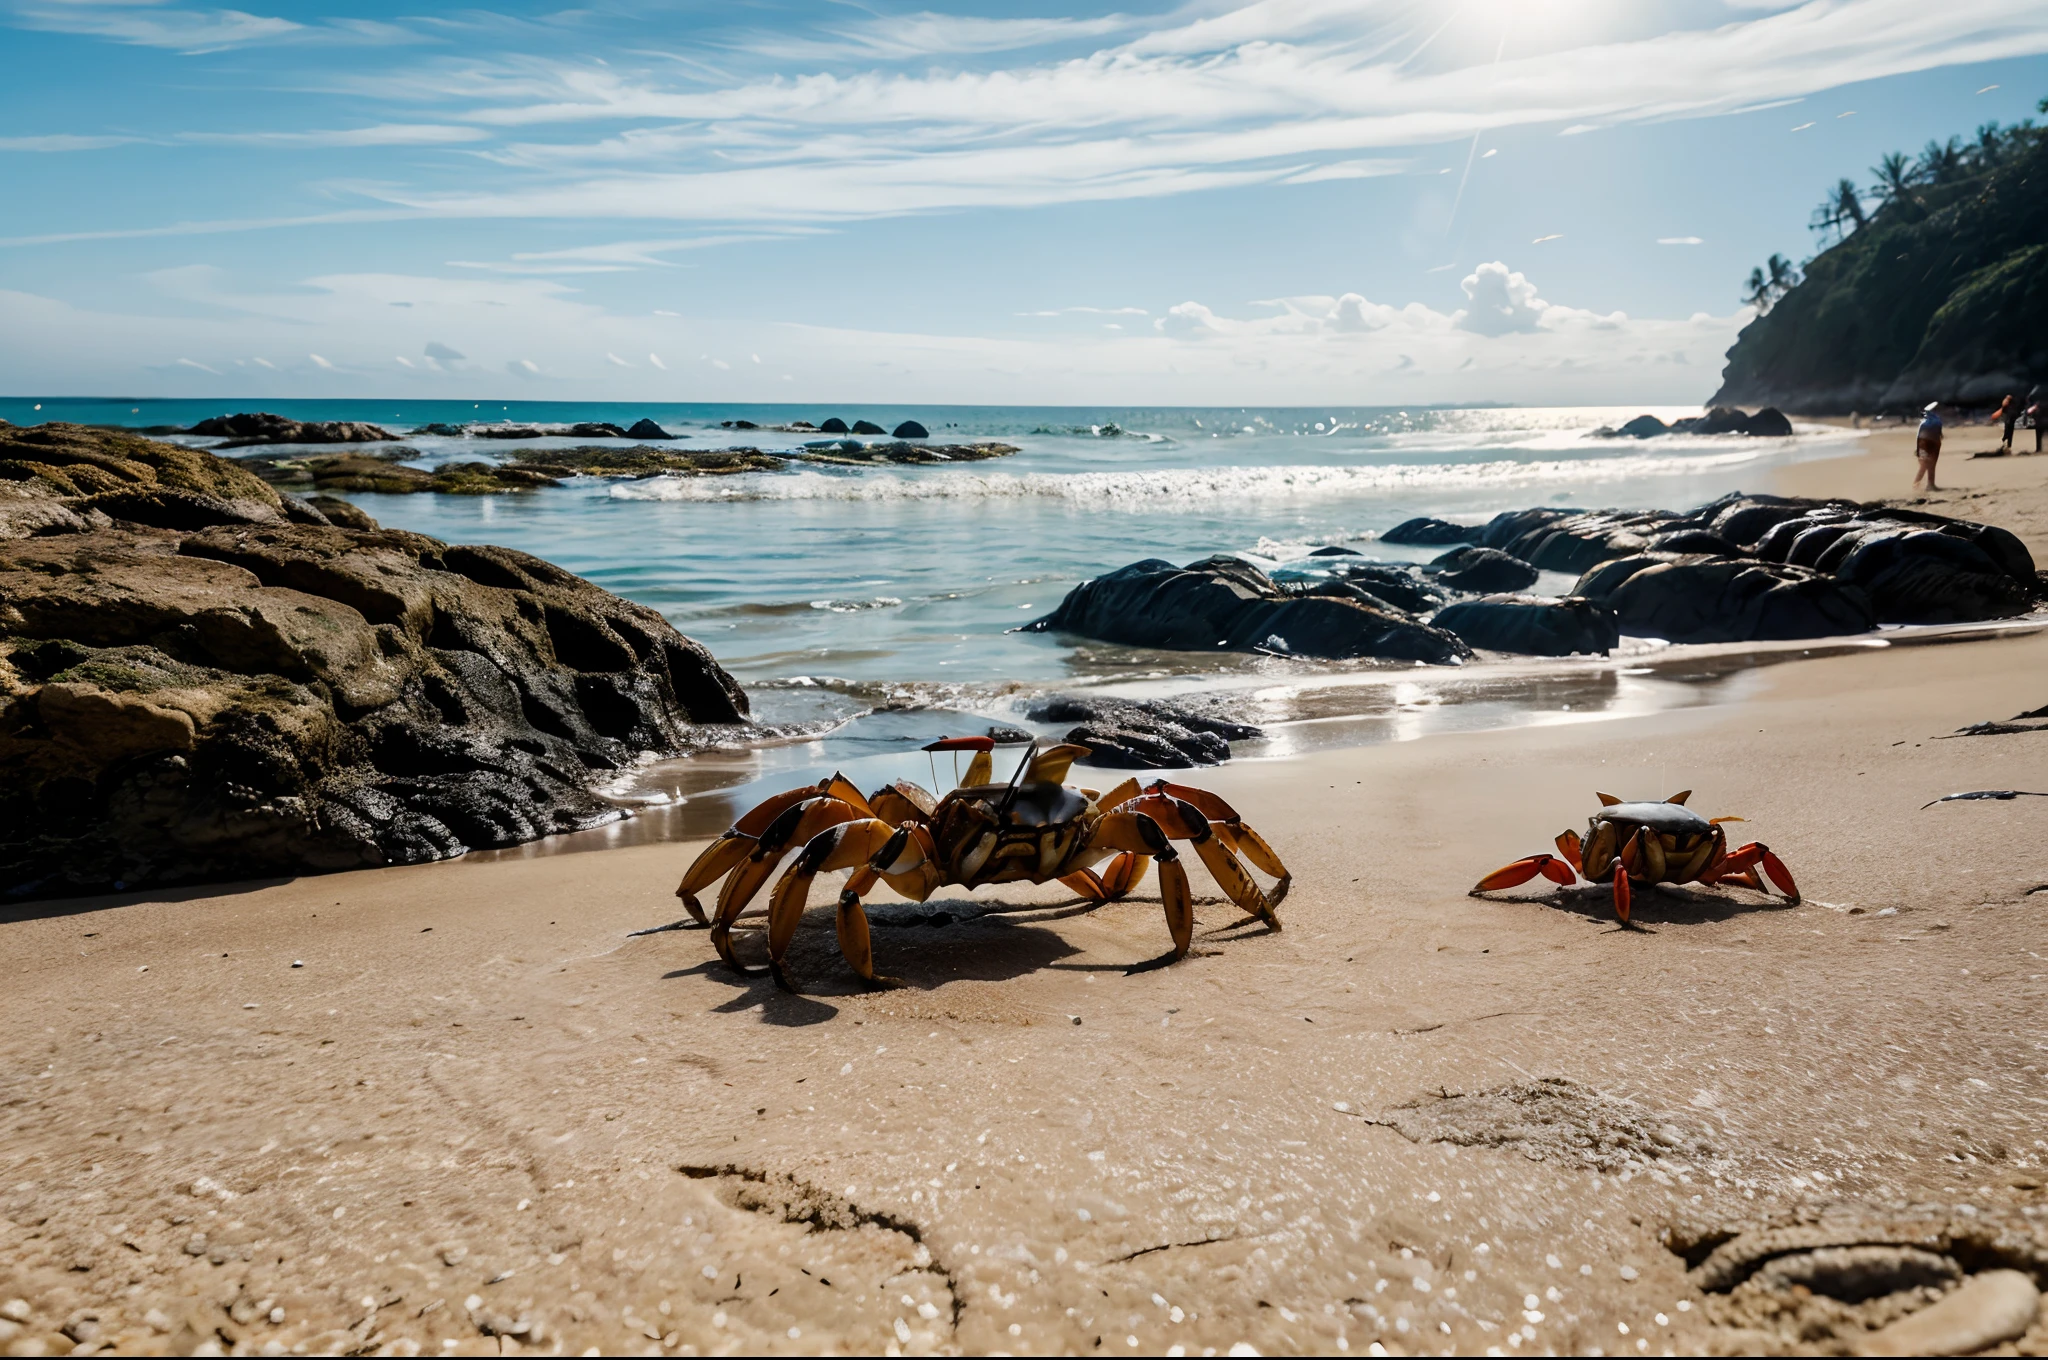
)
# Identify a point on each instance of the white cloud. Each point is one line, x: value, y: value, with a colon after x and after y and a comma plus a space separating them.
x: 1503, y: 301
x: 1189, y: 319
x: 927, y: 34
x: 1353, y: 313
x: 616, y: 360
x: 1679, y: 241
x: 655, y: 359
x: 403, y: 362
x: 190, y: 31
x: 194, y: 363
x: 323, y: 363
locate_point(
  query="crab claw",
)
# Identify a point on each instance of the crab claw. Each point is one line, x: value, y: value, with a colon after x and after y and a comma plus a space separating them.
x: 963, y: 744
x: 1621, y: 891
x: 1780, y: 875
x: 1569, y: 846
x: 1522, y: 870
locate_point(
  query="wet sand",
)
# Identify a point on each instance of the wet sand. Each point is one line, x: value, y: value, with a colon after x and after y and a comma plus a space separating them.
x: 453, y: 1110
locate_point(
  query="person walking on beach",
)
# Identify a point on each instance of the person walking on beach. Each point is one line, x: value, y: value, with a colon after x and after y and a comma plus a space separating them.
x: 2037, y: 410
x: 2009, y: 413
x: 1928, y: 447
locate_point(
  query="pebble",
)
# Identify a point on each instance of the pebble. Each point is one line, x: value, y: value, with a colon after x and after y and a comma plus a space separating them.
x: 17, y: 1309
x: 1987, y: 1309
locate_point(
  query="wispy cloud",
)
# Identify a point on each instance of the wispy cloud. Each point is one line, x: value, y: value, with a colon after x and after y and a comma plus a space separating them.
x: 64, y: 141
x: 383, y: 134
x: 194, y: 32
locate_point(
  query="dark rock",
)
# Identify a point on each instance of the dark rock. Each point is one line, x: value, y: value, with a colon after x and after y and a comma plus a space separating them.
x: 1574, y: 541
x: 1747, y: 519
x: 1333, y: 550
x: 1533, y: 625
x: 1769, y: 423
x: 265, y: 427
x: 1142, y: 733
x: 1720, y: 599
x: 910, y: 429
x: 242, y: 700
x: 598, y: 429
x: 340, y: 513
x: 1721, y: 420
x: 506, y: 432
x: 1482, y: 571
x: 727, y: 424
x: 442, y: 430
x: 1508, y: 526
x: 851, y: 452
x: 1693, y: 541
x: 1928, y: 576
x: 833, y: 425
x: 1403, y: 587
x: 1428, y: 532
x: 1643, y: 427
x: 1225, y: 602
x: 297, y: 511
x: 867, y: 427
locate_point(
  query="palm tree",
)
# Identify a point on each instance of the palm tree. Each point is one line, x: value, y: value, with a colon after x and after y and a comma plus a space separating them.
x: 1758, y: 293
x: 1941, y: 163
x: 1778, y: 277
x: 1895, y: 178
x: 1849, y: 202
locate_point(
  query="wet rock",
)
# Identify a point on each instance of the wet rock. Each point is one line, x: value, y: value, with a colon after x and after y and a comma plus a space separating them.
x: 1744, y: 520
x: 868, y: 427
x: 506, y: 431
x: 851, y: 452
x: 1769, y: 423
x: 1143, y: 734
x: 1574, y: 541
x: 833, y: 425
x: 238, y: 700
x: 444, y: 431
x: 1387, y: 584
x: 1333, y: 550
x: 1642, y: 427
x: 1693, y: 541
x: 265, y: 427
x: 726, y: 424
x: 1426, y: 531
x: 644, y: 428
x: 1994, y: 1307
x: 1533, y: 625
x: 910, y: 429
x: 642, y: 460
x: 1483, y: 571
x: 595, y: 429
x: 1930, y: 576
x: 341, y: 513
x: 1691, y: 598
x: 1721, y: 420
x: 1226, y: 602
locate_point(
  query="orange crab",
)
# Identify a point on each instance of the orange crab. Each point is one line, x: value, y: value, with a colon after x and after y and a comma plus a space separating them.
x: 1032, y: 829
x: 1663, y: 842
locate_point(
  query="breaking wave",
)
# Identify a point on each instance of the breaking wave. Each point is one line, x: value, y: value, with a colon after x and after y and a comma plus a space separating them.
x: 1169, y: 488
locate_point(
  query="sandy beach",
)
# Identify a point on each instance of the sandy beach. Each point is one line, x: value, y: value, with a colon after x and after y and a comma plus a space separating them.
x: 453, y: 1109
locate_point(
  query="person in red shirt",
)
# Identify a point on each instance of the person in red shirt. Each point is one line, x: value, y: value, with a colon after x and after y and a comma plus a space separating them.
x: 2008, y: 413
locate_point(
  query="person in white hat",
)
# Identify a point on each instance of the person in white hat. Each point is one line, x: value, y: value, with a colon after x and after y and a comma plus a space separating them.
x: 1928, y: 447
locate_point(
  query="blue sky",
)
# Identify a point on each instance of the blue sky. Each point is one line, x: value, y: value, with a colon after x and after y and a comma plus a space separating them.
x: 1270, y: 202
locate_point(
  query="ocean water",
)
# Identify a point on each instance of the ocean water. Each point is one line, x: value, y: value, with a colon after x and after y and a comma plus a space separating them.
x: 869, y: 609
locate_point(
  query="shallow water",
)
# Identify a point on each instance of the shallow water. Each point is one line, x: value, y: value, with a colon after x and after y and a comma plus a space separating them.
x: 868, y: 610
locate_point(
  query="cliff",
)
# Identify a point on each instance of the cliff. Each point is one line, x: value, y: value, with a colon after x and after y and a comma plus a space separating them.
x: 1941, y: 296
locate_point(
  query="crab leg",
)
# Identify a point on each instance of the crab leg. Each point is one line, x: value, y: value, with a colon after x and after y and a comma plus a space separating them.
x: 719, y: 857
x: 796, y: 826
x: 1241, y: 839
x: 867, y: 843
x: 1621, y: 891
x: 1137, y: 833
x: 1124, y: 872
x: 1522, y: 870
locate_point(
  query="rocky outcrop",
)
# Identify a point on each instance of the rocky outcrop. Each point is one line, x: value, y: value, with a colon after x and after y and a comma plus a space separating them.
x: 910, y: 429
x: 263, y: 427
x: 530, y: 469
x: 1768, y: 423
x: 259, y: 696
x: 1226, y: 602
x: 833, y: 425
x: 1533, y: 625
x: 644, y: 428
x: 868, y: 427
x: 1142, y: 734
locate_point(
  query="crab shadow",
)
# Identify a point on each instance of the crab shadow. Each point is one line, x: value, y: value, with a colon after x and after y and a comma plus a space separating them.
x: 917, y: 947
x: 1662, y: 905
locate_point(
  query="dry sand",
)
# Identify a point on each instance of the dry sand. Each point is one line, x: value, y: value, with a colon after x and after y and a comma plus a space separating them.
x: 452, y: 1110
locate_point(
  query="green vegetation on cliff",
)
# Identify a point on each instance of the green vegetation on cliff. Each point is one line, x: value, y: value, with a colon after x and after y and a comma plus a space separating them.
x: 1939, y: 294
